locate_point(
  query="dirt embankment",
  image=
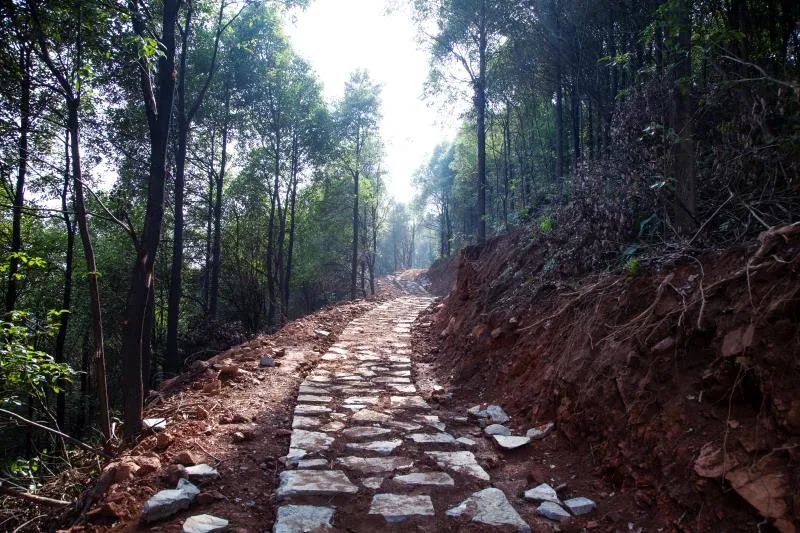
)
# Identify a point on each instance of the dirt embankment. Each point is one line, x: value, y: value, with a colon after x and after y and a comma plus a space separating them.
x: 681, y: 385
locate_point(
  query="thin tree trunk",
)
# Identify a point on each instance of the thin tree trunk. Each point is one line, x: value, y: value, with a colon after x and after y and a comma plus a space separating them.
x: 25, y: 64
x: 290, y: 247
x: 66, y: 299
x: 480, y: 105
x: 216, y: 248
x: 559, y: 101
x: 354, y: 258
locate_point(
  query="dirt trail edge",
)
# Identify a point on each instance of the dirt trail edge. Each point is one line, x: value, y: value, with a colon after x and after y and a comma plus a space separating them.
x: 368, y: 453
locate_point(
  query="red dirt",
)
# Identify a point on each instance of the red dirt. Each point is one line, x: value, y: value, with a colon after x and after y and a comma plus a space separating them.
x: 652, y: 379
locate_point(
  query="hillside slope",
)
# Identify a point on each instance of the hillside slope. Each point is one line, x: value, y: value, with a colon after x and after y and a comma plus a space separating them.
x: 679, y: 383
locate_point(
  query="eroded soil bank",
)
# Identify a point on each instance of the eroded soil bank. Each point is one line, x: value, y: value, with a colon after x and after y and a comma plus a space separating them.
x: 675, y: 391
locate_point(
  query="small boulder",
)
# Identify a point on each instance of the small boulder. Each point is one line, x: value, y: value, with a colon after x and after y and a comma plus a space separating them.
x: 147, y: 465
x: 496, y: 414
x: 163, y: 441
x: 204, y: 523
x: 228, y: 371
x: 266, y: 361
x: 125, y: 470
x: 496, y: 429
x: 508, y: 442
x: 166, y: 503
x: 540, y: 432
x: 173, y: 473
x: 202, y: 473
x: 553, y: 511
x: 579, y: 506
x: 542, y: 493
x: 187, y: 458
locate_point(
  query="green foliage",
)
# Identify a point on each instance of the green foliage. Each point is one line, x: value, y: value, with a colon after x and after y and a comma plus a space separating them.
x: 546, y: 223
x: 632, y: 267
x: 25, y: 370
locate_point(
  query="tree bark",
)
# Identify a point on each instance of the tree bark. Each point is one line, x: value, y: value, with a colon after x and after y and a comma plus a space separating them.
x: 25, y: 64
x: 66, y: 299
x: 158, y: 105
x: 480, y: 108
x: 354, y: 257
x: 216, y: 248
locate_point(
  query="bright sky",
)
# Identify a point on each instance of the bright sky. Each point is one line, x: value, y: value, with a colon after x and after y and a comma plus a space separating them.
x: 340, y: 36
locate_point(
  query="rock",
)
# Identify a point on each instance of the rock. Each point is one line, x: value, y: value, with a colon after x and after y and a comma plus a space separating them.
x: 466, y: 441
x: 147, y: 465
x: 313, y: 398
x: 737, y: 341
x: 228, y: 371
x: 408, y: 402
x: 306, y: 422
x: 166, y: 503
x: 297, y: 518
x: 405, y: 426
x: 496, y: 429
x: 207, y: 498
x: 266, y: 362
x: 173, y: 473
x: 367, y: 415
x: 373, y: 482
x: 375, y: 465
x: 311, y: 441
x: 163, y: 441
x: 305, y: 409
x: 187, y: 458
x: 399, y: 507
x: 763, y: 486
x: 278, y: 352
x: 553, y: 511
x: 710, y: 462
x: 462, y: 462
x: 542, y: 493
x: 242, y: 436
x: 511, y: 443
x: 125, y: 470
x: 154, y: 424
x: 314, y: 482
x: 333, y: 426
x: 490, y: 506
x: 202, y: 473
x: 204, y: 523
x: 312, y: 463
x: 580, y: 506
x: 540, y: 432
x: 477, y: 411
x: 381, y: 447
x: 496, y: 414
x: 435, y: 479
x: 322, y: 334
x: 359, y: 432
x: 435, y: 438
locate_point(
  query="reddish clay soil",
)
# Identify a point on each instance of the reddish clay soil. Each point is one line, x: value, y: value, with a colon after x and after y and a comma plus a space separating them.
x: 675, y: 392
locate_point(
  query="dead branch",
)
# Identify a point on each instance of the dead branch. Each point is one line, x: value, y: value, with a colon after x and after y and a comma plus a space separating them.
x: 33, y: 498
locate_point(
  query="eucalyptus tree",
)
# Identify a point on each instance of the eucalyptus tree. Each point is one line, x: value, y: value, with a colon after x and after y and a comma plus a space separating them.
x: 358, y: 115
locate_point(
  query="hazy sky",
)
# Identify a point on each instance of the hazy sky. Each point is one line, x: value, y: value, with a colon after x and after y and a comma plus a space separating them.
x: 340, y: 36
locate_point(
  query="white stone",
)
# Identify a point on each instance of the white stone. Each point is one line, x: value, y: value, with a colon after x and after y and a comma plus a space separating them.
x: 542, y: 493
x: 375, y: 465
x: 403, y: 387
x: 399, y: 507
x: 204, y: 523
x: 332, y: 426
x: 313, y: 398
x: 312, y: 463
x: 462, y: 462
x: 435, y: 479
x: 496, y: 429
x: 490, y: 506
x: 311, y: 441
x: 360, y: 432
x: 540, y: 432
x: 509, y: 442
x: 496, y: 414
x: 354, y: 406
x: 466, y: 441
x: 579, y: 506
x: 306, y: 409
x: 368, y: 415
x: 406, y: 426
x: 166, y: 503
x: 553, y: 511
x: 155, y: 424
x: 436, y: 438
x: 309, y: 389
x: 305, y: 422
x: 369, y: 400
x: 201, y: 473
x: 373, y: 482
x: 314, y: 482
x: 302, y: 518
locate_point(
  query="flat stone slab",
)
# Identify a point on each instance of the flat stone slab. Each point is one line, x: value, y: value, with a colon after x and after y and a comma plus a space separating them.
x: 580, y: 506
x: 166, y: 503
x: 496, y: 429
x: 308, y: 422
x: 553, y: 511
x: 201, y: 473
x: 406, y: 426
x: 368, y: 400
x: 465, y: 441
x: 312, y: 463
x: 399, y: 507
x: 313, y: 398
x: 496, y: 414
x: 362, y: 432
x: 435, y: 479
x: 373, y: 482
x: 311, y: 441
x: 333, y: 426
x: 314, y: 482
x: 204, y: 523
x: 490, y: 506
x: 368, y: 415
x: 409, y: 402
x: 540, y: 432
x: 461, y: 462
x: 309, y: 389
x: 542, y: 493
x: 391, y: 379
x: 435, y: 438
x: 405, y: 388
x: 295, y: 518
x: 376, y: 465
x: 381, y: 447
x: 511, y: 443
x: 307, y: 409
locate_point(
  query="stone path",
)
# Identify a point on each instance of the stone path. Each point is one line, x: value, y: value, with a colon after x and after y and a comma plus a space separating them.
x: 367, y: 452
